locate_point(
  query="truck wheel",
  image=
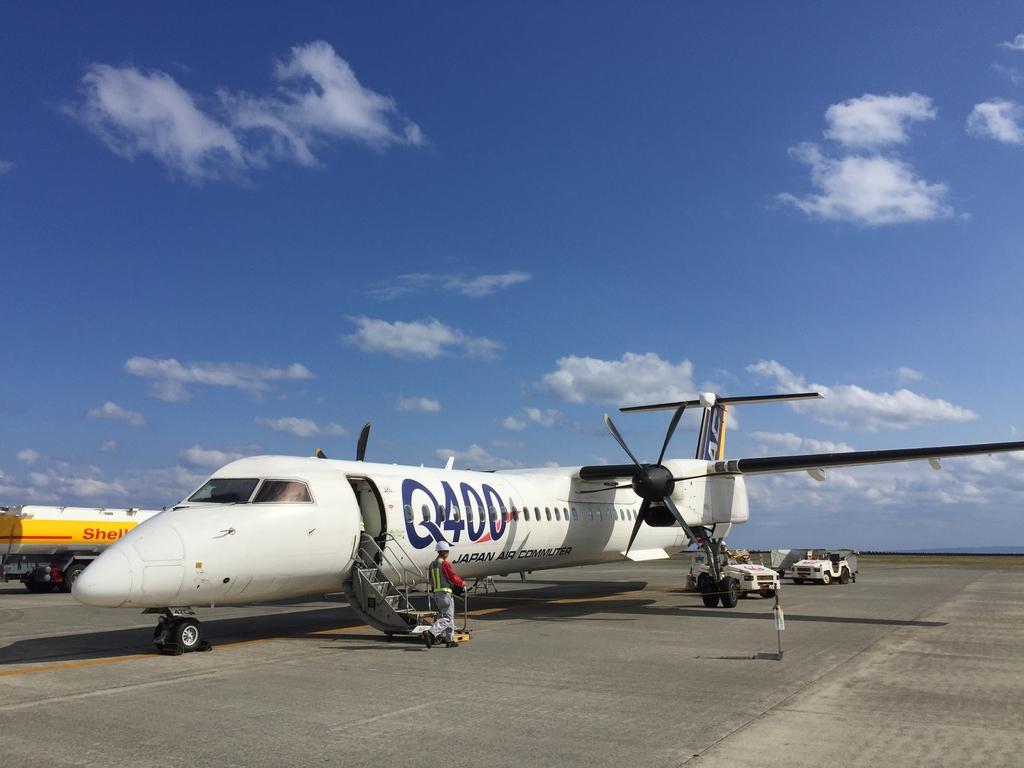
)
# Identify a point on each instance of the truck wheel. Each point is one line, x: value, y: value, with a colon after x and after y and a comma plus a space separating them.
x: 708, y: 593
x: 844, y: 576
x: 798, y: 581
x: 768, y: 593
x: 826, y: 578
x: 39, y: 587
x: 729, y: 590
x: 70, y: 576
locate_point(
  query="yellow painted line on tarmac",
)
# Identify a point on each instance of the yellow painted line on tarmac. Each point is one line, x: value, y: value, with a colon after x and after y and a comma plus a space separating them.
x: 73, y: 664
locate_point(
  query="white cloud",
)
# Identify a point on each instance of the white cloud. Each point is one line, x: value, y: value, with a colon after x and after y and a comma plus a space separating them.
x: 424, y: 338
x: 107, y: 446
x: 1017, y: 44
x: 198, y: 457
x: 795, y: 444
x: 874, y: 121
x: 635, y: 379
x: 998, y: 119
x: 473, y: 287
x: 28, y: 456
x: 135, y: 113
x: 302, y: 427
x: 169, y: 377
x: 484, y: 285
x: 513, y: 424
x: 115, y: 412
x: 908, y: 374
x: 5, y: 166
x: 870, y: 190
x: 422, y: 404
x: 475, y: 457
x: 318, y: 98
x: 547, y: 418
x: 848, y: 405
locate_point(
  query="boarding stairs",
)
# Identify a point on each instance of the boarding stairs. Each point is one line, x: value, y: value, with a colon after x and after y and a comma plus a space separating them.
x: 383, y: 576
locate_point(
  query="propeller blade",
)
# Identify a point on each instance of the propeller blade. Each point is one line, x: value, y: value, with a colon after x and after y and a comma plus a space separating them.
x: 619, y: 440
x: 608, y: 488
x: 364, y: 435
x: 671, y: 430
x: 667, y: 501
x: 641, y: 516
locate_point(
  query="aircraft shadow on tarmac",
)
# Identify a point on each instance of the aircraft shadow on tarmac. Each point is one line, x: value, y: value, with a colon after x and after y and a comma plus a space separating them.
x: 584, y: 601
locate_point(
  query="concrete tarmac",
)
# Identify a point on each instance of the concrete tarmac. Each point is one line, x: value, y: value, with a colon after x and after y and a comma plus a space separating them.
x: 595, y: 666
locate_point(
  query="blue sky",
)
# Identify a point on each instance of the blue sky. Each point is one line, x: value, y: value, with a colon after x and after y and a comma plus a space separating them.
x: 242, y: 229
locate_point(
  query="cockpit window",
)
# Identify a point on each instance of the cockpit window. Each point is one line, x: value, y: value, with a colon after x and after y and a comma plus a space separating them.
x: 282, y: 491
x: 225, y: 490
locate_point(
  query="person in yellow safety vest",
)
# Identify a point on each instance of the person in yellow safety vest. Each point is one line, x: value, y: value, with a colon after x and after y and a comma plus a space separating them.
x: 443, y: 580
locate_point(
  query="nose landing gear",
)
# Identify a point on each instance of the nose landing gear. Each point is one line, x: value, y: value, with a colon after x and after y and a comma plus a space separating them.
x: 178, y: 632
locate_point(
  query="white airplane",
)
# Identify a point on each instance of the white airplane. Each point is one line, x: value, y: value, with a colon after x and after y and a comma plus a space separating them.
x: 276, y: 527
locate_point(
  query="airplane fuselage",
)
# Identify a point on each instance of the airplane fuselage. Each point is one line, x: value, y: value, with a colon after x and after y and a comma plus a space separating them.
x: 201, y: 553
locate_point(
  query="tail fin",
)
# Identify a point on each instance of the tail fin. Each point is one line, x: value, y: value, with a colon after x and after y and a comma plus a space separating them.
x: 711, y: 440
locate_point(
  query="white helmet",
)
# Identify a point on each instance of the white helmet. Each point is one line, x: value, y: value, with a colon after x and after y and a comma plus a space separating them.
x: 443, y: 546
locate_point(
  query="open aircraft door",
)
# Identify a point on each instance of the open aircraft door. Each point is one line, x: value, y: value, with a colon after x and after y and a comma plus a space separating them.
x: 374, y: 519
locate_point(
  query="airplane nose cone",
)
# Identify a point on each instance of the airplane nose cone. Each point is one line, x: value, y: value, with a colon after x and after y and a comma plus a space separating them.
x: 106, y: 582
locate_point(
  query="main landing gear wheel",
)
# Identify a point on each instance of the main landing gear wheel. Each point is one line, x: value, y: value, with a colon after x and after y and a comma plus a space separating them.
x: 709, y: 593
x: 729, y: 590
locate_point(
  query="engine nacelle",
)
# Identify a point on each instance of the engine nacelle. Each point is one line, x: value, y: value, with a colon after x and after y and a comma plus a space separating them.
x: 713, y: 500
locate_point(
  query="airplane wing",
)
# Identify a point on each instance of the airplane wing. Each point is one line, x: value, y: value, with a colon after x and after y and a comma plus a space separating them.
x: 854, y: 458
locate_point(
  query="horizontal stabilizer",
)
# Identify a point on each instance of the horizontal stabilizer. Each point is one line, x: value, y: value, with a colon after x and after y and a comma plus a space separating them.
x: 854, y: 458
x: 640, y: 555
x: 724, y: 401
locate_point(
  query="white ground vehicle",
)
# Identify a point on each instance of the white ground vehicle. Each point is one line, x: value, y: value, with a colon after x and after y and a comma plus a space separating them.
x: 750, y: 577
x: 47, y: 547
x: 825, y: 567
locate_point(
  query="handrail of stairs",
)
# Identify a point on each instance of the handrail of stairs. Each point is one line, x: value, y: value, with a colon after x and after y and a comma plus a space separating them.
x: 403, y: 569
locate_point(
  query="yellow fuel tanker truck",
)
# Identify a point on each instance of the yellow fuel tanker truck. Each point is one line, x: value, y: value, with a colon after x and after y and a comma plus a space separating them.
x: 47, y: 547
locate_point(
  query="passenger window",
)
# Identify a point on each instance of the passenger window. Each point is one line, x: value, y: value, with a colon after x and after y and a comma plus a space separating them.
x: 425, y: 513
x: 574, y: 517
x: 282, y: 491
x: 492, y: 513
x: 557, y: 515
x: 547, y: 513
x: 469, y: 513
x: 526, y: 514
x: 590, y: 514
x: 536, y: 514
x: 456, y: 513
x: 408, y: 512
